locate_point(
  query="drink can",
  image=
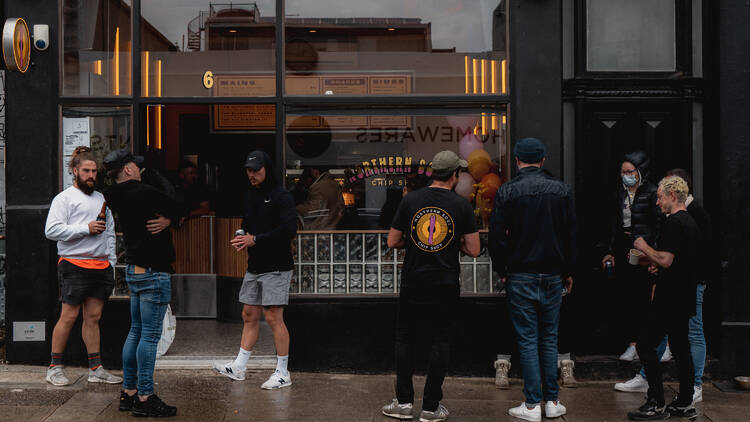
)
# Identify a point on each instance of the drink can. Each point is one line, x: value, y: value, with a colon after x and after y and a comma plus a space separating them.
x: 239, y: 232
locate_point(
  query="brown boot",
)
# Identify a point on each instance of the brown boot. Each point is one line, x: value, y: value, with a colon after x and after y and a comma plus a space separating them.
x: 566, y: 373
x: 502, y: 367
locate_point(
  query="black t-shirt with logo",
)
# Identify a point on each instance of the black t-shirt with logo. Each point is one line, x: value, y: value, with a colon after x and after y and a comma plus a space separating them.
x: 433, y: 221
x: 676, y: 285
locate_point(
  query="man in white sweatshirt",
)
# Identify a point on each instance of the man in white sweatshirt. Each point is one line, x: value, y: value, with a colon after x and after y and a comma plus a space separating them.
x: 84, y: 230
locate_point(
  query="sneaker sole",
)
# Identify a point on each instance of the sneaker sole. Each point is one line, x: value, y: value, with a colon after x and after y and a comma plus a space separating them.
x: 146, y: 415
x: 102, y: 381
x: 650, y: 418
x: 57, y: 384
x: 398, y: 416
x: 432, y: 420
x: 526, y: 418
x: 289, y: 384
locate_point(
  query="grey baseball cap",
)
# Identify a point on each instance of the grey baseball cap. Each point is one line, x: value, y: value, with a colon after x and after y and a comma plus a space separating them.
x: 447, y: 162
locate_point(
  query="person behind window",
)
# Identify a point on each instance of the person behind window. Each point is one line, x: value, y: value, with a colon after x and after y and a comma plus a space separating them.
x: 324, y: 206
x: 191, y: 192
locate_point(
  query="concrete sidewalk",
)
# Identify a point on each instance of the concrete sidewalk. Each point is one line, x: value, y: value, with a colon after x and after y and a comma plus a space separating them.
x: 203, y: 395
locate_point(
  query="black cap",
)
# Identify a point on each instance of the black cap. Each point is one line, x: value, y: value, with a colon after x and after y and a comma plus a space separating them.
x: 255, y: 160
x: 118, y: 158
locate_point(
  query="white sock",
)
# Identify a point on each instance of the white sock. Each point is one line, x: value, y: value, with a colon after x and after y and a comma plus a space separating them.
x: 281, y: 364
x: 241, y: 361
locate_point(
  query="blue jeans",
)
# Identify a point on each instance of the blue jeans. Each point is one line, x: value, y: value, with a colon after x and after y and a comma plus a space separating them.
x: 695, y: 337
x: 150, y: 294
x: 534, y: 303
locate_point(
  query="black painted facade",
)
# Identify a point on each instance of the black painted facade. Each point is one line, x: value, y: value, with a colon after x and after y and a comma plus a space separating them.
x: 551, y: 97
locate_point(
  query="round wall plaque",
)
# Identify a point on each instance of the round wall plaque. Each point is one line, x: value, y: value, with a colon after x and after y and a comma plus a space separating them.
x: 16, y: 44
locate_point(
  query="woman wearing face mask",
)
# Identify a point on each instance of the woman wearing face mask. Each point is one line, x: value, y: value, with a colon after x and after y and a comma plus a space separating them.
x: 633, y: 214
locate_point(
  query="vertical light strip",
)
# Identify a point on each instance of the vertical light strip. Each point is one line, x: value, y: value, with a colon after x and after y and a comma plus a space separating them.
x: 98, y: 67
x: 484, y: 76
x: 145, y: 74
x: 475, y: 70
x: 493, y: 64
x: 148, y: 125
x: 466, y: 72
x: 117, y: 61
x: 494, y: 121
x: 504, y: 79
x: 158, y: 109
x: 484, y: 123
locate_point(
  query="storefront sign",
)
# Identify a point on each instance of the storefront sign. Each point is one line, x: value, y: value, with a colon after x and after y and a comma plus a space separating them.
x: 16, y: 45
x: 29, y: 331
x: 244, y: 85
x: 76, y: 133
x: 244, y: 116
x: 390, y: 165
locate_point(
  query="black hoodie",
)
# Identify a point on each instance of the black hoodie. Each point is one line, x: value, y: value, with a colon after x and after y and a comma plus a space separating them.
x: 646, y: 216
x: 135, y: 203
x: 269, y: 214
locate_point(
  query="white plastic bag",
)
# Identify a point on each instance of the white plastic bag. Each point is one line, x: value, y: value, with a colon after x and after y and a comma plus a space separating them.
x: 168, y: 330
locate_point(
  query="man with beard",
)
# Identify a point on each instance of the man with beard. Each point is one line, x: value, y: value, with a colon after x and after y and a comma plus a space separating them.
x: 84, y: 230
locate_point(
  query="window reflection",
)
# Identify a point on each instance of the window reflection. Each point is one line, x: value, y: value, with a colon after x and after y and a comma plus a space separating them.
x: 426, y: 47
x: 183, y: 40
x: 97, y: 48
x: 349, y: 172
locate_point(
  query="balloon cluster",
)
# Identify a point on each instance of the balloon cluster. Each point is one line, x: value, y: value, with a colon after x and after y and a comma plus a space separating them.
x: 482, y: 181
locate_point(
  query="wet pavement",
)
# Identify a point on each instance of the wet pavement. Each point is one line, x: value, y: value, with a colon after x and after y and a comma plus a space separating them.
x: 203, y: 395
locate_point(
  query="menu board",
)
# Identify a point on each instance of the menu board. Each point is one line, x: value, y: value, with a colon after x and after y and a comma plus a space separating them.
x: 262, y: 116
x: 244, y: 116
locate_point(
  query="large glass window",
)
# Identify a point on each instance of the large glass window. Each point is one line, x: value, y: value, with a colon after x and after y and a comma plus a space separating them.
x: 636, y: 35
x: 395, y: 47
x: 206, y: 48
x: 97, y: 48
x: 372, y: 160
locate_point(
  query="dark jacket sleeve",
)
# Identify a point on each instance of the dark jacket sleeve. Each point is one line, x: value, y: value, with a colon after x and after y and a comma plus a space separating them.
x: 166, y: 205
x: 287, y: 227
x: 571, y: 244
x: 498, y: 236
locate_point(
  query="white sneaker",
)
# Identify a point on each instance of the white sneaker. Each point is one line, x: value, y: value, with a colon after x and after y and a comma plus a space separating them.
x: 229, y: 370
x: 636, y: 385
x: 667, y: 356
x: 101, y: 375
x: 554, y: 409
x: 277, y: 380
x: 55, y: 376
x: 697, y: 394
x: 630, y: 354
x: 522, y: 412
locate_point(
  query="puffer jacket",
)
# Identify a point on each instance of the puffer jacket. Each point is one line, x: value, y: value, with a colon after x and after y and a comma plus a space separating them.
x: 646, y: 216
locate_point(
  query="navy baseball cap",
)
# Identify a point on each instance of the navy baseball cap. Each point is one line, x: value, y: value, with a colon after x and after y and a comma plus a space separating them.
x: 255, y: 160
x: 118, y: 158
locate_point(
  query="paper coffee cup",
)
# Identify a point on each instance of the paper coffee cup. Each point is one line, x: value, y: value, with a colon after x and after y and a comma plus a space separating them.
x: 634, y: 256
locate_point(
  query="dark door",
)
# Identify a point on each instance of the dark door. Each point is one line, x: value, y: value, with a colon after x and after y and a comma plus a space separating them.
x: 605, y: 132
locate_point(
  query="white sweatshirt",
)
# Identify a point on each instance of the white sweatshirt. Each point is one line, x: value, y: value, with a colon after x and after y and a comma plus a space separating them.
x: 68, y: 223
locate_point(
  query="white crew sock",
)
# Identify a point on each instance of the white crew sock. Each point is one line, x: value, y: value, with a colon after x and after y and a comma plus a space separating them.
x: 241, y: 361
x: 281, y: 364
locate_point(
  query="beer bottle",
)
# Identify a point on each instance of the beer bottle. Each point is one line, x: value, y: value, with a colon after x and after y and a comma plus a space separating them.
x: 103, y: 213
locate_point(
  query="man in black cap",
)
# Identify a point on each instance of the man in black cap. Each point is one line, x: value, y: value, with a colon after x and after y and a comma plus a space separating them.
x: 269, y: 224
x: 533, y: 244
x: 433, y: 224
x: 144, y: 214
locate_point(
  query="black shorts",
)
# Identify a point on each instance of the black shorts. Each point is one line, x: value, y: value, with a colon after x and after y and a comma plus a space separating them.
x: 76, y: 283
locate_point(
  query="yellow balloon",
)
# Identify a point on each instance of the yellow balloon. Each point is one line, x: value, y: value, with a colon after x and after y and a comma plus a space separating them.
x: 479, y: 163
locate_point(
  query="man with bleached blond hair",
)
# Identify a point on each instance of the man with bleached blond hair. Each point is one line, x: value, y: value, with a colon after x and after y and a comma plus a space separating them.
x: 674, y: 259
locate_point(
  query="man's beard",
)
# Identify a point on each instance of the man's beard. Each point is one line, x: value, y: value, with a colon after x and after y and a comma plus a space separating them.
x: 85, y: 187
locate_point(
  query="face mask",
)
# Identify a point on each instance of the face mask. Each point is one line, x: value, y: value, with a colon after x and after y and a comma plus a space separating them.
x: 629, y: 180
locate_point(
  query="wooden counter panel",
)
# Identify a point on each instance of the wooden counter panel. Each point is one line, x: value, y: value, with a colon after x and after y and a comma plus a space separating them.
x: 229, y: 262
x: 192, y: 244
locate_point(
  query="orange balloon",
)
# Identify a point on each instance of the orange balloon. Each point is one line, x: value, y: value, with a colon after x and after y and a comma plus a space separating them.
x: 491, y: 181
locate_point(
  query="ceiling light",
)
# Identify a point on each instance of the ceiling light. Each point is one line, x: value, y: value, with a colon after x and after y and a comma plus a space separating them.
x: 313, y: 30
x: 391, y: 29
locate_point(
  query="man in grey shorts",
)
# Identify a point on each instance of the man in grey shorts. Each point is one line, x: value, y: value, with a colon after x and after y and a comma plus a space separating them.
x: 269, y: 224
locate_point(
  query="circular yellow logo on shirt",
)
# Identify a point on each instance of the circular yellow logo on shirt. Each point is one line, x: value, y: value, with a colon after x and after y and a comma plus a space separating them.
x: 432, y: 229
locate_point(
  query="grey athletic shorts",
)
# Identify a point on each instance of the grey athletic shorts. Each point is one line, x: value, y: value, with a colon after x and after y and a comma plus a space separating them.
x: 266, y: 289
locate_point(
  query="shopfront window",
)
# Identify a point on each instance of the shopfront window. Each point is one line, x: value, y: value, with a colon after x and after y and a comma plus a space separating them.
x: 96, y: 48
x: 395, y: 47
x: 204, y: 48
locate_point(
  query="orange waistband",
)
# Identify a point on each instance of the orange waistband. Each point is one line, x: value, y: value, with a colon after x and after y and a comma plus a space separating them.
x: 91, y: 264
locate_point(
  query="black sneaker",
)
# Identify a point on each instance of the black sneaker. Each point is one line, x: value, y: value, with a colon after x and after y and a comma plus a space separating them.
x: 687, y: 412
x: 650, y: 411
x: 153, y: 408
x: 126, y: 401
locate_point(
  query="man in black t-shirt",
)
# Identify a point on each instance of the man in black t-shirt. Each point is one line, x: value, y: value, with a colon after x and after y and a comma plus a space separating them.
x: 676, y: 265
x: 433, y: 224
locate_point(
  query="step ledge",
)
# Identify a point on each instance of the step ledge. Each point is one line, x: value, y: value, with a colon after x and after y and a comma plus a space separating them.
x: 207, y: 362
